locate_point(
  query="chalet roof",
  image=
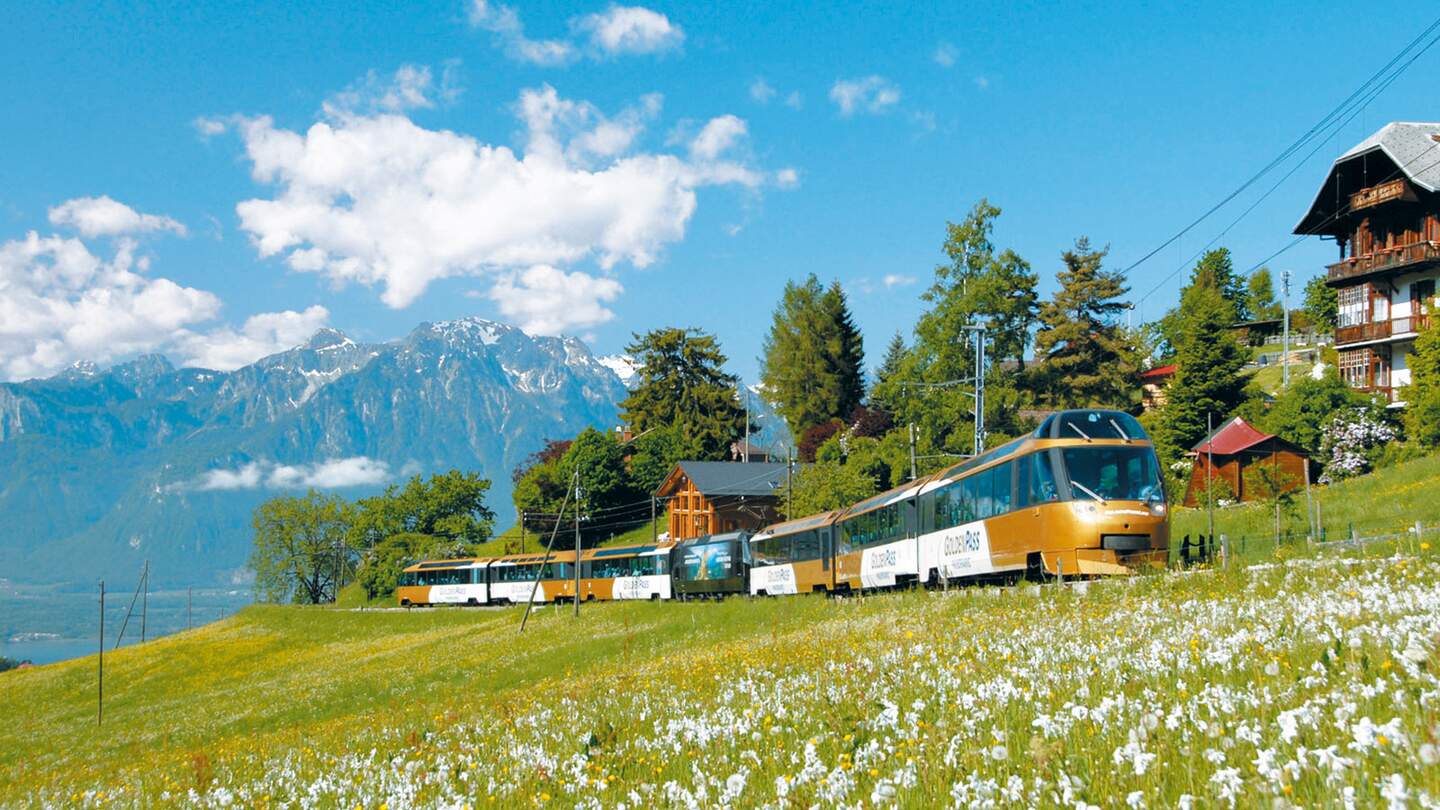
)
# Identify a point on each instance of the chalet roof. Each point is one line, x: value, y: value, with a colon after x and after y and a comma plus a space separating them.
x: 729, y: 477
x: 1413, y: 147
x: 1236, y: 436
x: 1159, y: 372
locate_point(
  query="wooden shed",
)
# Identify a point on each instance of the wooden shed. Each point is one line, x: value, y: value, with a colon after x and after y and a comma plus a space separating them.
x: 710, y: 497
x: 1236, y: 448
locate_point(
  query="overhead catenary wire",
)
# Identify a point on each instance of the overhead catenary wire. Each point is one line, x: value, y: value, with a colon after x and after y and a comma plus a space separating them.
x: 1362, y: 92
x: 1336, y: 127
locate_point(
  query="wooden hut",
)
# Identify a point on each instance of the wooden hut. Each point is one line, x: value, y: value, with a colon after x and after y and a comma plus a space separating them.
x: 1235, y: 449
x: 710, y: 497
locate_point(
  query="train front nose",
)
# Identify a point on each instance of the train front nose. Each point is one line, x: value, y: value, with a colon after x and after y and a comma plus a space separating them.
x: 1122, y: 536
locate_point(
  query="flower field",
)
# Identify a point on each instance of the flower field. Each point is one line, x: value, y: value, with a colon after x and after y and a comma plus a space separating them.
x: 1299, y: 682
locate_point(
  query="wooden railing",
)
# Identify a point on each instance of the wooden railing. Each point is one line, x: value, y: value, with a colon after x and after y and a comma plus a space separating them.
x: 1384, y: 259
x: 1379, y: 330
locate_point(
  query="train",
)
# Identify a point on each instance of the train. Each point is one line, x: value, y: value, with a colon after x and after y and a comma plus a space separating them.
x: 1080, y: 496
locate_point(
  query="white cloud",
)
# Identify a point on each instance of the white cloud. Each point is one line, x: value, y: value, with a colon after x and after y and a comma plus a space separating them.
x: 630, y: 29
x: 787, y: 178
x: 247, y: 477
x: 410, y: 87
x: 871, y: 94
x: 102, y: 216
x: 794, y: 100
x: 330, y: 474
x: 718, y: 136
x: 761, y: 91
x: 209, y: 127
x: 60, y: 303
x: 893, y: 280
x: 502, y: 21
x: 945, y: 54
x: 267, y: 333
x: 549, y: 301
x: 379, y: 200
x: 333, y: 474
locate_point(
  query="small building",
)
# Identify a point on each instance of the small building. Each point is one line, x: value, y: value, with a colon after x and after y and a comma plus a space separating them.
x: 710, y: 497
x: 1235, y: 449
x: 1380, y: 204
x: 748, y: 451
x: 1152, y: 385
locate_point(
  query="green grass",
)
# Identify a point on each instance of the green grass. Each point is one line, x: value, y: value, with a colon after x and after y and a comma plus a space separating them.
x: 1385, y: 501
x: 534, y: 541
x: 1155, y: 686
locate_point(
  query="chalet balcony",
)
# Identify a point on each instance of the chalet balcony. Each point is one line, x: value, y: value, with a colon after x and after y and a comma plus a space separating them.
x: 1380, y: 330
x: 1404, y: 257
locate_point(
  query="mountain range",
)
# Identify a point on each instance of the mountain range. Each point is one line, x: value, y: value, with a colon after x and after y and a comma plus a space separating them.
x: 103, y: 469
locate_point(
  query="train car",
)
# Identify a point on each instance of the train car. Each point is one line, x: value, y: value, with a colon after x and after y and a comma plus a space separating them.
x: 711, y: 566
x: 512, y: 578
x: 444, y: 582
x: 876, y: 540
x: 626, y: 572
x: 796, y: 556
x: 1081, y: 495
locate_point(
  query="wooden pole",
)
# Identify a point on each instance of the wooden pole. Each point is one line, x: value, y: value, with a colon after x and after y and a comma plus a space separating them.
x: 189, y: 601
x: 1309, y: 506
x: 522, y: 531
x: 144, y: 600
x: 540, y: 569
x: 654, y: 531
x: 577, y: 543
x: 100, y: 681
x: 1209, y: 473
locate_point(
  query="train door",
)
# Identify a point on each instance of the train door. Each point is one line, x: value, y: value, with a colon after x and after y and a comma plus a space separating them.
x: 827, y: 555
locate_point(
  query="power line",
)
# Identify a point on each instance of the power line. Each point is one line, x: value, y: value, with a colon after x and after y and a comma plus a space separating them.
x: 1323, y: 123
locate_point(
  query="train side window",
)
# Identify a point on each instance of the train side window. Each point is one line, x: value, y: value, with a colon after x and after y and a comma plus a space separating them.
x: 772, y: 550
x: 1001, y: 483
x: 805, y: 547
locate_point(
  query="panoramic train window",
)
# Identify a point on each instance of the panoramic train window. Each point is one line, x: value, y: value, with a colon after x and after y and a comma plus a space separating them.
x: 408, y: 578
x: 1114, y: 473
x: 806, y: 546
x: 875, y: 527
x: 610, y: 568
x: 445, y: 576
x: 1092, y: 425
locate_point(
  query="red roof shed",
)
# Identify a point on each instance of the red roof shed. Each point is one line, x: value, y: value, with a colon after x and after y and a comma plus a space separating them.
x: 1235, y: 449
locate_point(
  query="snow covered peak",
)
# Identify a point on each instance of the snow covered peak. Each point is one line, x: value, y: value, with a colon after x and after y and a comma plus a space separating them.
x: 486, y: 331
x: 623, y: 366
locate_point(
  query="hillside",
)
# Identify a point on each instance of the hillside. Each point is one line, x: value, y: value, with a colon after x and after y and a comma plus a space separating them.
x: 1160, y: 687
x: 1386, y: 501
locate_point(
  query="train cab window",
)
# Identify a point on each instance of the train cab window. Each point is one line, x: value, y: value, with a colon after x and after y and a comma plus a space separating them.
x: 408, y: 579
x: 1115, y: 473
x: 772, y: 550
x: 806, y: 546
x: 1092, y: 424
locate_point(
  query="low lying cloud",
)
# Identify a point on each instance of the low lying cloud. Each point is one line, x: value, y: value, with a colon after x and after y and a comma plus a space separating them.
x: 331, y: 474
x: 544, y: 300
x: 630, y: 30
x: 227, y: 348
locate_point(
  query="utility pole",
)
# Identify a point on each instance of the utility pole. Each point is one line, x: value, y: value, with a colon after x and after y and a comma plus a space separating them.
x: 540, y: 569
x: 745, y: 451
x: 654, y: 531
x: 189, y: 600
x: 789, y: 487
x: 577, y: 543
x: 1285, y: 356
x: 100, y: 683
x: 979, y: 332
x: 1209, y: 472
x: 522, y: 531
x: 913, y: 473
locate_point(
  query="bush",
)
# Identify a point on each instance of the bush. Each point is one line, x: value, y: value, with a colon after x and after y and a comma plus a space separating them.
x: 10, y: 663
x: 1350, y: 440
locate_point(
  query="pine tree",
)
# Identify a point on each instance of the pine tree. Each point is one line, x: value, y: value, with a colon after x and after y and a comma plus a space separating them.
x: 1208, y: 379
x: 813, y: 365
x: 1085, y: 358
x: 1214, y: 271
x: 884, y: 393
x: 682, y: 384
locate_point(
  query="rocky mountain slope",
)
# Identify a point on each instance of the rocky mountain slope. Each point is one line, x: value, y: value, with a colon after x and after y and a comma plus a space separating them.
x: 100, y: 470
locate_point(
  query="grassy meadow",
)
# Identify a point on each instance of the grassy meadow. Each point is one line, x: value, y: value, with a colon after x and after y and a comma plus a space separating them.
x: 1304, y: 681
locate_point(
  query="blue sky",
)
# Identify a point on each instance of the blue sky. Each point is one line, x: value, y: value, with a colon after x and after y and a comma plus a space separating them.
x: 823, y: 138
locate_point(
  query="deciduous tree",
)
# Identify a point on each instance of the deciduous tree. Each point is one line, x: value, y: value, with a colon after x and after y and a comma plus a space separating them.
x: 1321, y: 304
x: 303, y: 548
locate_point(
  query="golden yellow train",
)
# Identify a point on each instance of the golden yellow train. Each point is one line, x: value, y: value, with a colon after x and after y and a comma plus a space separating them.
x: 1080, y: 496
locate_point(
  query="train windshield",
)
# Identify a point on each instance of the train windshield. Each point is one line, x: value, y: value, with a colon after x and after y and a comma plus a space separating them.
x: 1113, y: 473
x: 1092, y: 425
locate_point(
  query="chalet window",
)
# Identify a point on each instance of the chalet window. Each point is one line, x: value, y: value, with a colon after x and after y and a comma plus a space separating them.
x: 1354, y: 365
x: 1421, y: 292
x: 1353, y: 309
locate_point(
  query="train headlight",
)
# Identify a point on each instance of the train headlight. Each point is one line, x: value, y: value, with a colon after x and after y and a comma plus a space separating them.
x: 1157, y: 508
